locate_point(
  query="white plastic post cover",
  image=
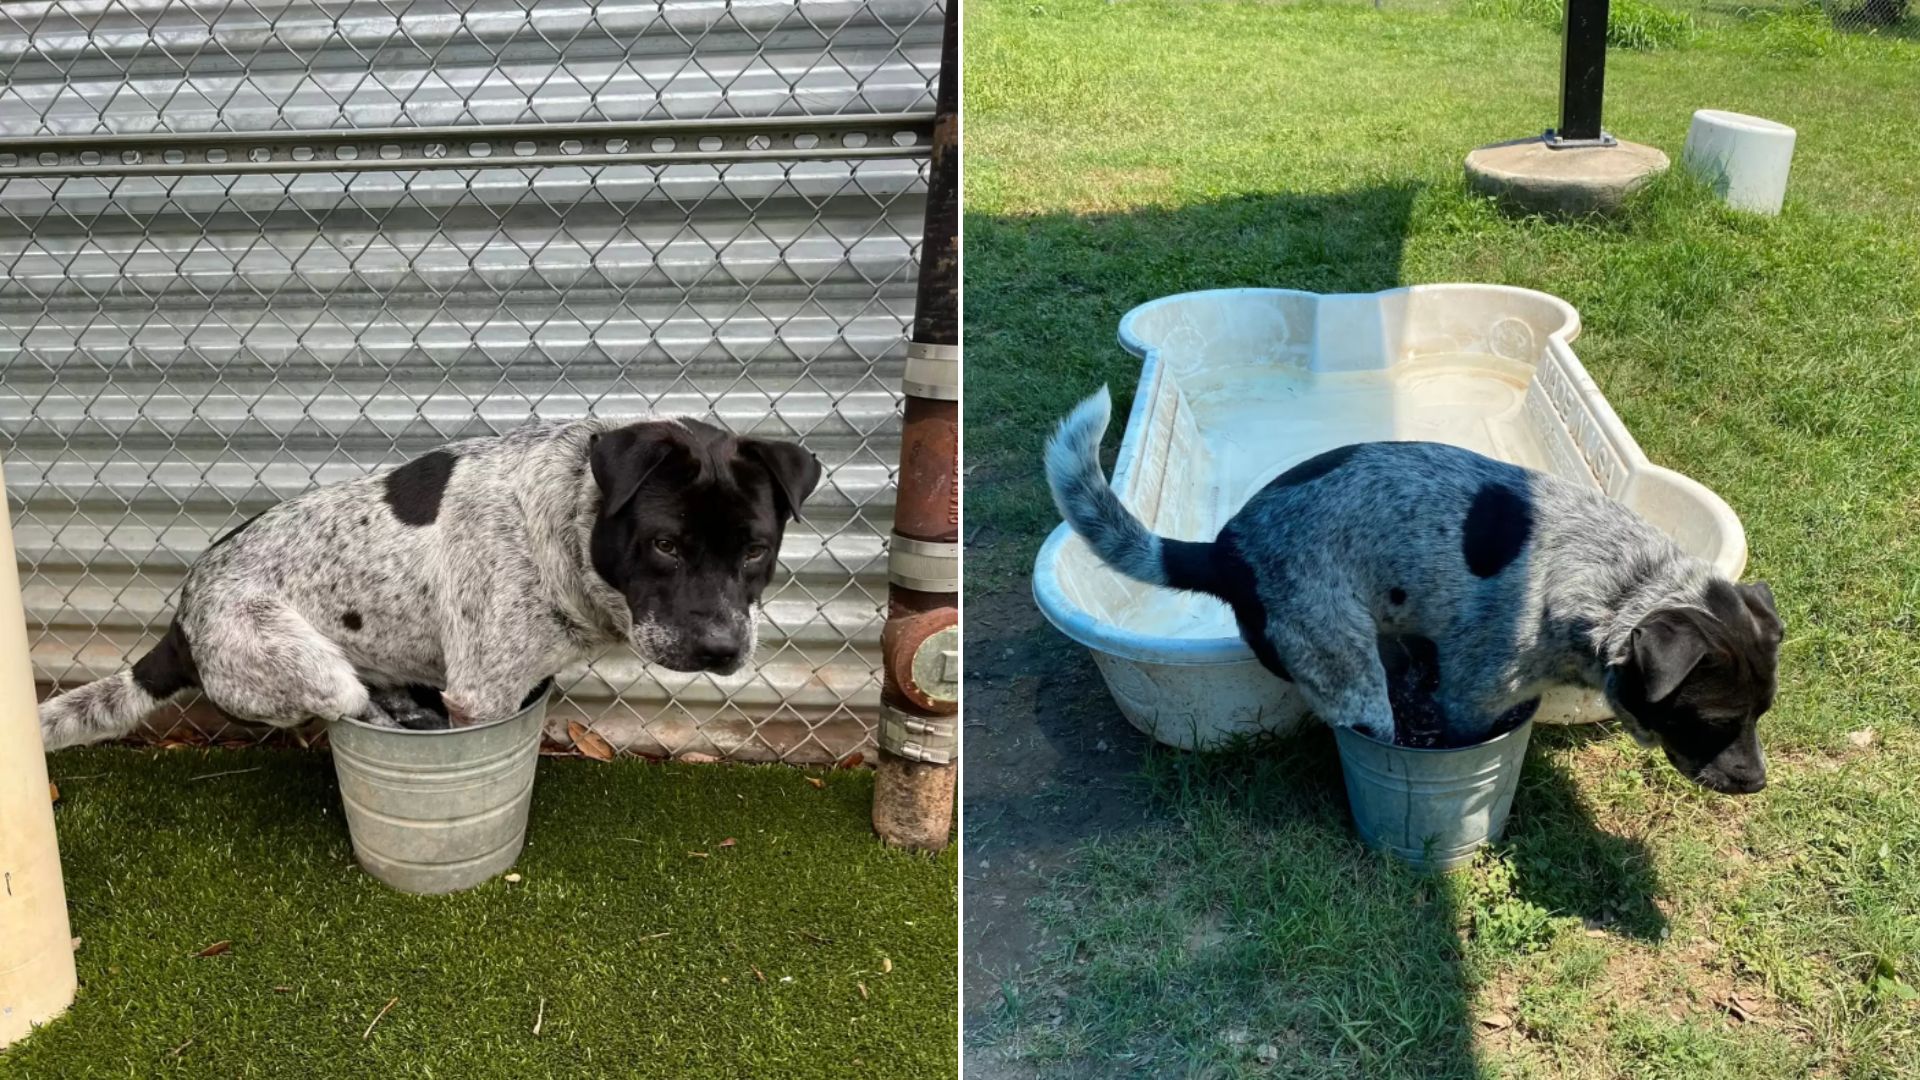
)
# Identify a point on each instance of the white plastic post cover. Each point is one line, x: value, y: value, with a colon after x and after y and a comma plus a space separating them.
x: 1745, y: 158
x: 36, y: 949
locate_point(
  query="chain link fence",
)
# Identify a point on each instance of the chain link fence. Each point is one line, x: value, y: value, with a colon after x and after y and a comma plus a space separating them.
x: 1874, y: 16
x: 247, y: 248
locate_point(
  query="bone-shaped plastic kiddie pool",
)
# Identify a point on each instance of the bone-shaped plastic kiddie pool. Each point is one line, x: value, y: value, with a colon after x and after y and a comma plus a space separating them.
x: 1238, y: 385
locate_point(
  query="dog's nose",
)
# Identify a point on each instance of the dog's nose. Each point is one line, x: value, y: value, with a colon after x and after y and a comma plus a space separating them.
x: 1742, y: 781
x: 717, y: 649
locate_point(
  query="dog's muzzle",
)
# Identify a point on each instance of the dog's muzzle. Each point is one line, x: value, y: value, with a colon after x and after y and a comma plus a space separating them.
x: 720, y: 646
x: 720, y: 649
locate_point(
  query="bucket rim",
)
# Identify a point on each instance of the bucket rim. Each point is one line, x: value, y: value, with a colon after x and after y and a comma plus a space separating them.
x: 542, y: 694
x: 1342, y: 734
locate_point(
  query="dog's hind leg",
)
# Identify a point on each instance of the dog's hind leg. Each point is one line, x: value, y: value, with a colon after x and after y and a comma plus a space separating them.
x: 260, y: 660
x: 1332, y: 651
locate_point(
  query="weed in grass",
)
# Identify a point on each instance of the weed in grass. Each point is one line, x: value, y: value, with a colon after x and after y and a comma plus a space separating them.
x: 1631, y: 24
x: 1503, y: 922
x: 1799, y: 30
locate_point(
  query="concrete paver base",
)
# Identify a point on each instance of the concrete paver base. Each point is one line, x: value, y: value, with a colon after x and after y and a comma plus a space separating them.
x: 1529, y: 177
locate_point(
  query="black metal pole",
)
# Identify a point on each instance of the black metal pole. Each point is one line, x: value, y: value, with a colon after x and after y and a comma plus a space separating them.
x: 936, y: 314
x: 1583, y: 75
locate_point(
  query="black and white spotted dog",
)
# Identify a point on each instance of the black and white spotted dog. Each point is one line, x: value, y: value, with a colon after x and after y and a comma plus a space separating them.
x: 1518, y: 581
x: 481, y: 569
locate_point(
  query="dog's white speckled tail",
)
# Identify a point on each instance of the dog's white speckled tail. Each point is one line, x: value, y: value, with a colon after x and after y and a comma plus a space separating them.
x: 103, y: 709
x: 1088, y: 503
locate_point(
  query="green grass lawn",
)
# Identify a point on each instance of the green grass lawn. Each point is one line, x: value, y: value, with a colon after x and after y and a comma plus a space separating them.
x: 1118, y: 152
x: 635, y: 957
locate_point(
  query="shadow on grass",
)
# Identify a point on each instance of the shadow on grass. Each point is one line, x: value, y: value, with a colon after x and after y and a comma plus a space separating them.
x: 1563, y: 861
x: 1249, y: 921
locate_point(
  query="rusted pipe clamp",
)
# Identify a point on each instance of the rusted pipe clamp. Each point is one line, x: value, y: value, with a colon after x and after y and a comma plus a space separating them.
x: 923, y: 565
x: 934, y: 740
x: 933, y: 371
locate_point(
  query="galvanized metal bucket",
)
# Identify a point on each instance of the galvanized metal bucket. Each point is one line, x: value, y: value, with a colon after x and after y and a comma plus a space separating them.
x: 439, y: 811
x: 1433, y: 808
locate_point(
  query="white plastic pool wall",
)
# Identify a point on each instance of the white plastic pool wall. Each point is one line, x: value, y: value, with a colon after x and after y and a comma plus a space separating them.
x: 1196, y: 691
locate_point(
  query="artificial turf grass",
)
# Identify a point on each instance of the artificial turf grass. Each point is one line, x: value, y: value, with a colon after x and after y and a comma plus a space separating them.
x: 652, y: 962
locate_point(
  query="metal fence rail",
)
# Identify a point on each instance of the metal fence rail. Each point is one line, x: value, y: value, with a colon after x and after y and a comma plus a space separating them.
x: 245, y: 249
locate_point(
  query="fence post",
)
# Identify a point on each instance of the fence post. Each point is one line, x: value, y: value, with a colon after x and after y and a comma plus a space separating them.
x: 36, y: 950
x: 919, y: 700
x: 1583, y: 76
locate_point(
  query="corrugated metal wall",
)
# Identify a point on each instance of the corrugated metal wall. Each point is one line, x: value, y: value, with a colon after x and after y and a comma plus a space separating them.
x: 179, y: 350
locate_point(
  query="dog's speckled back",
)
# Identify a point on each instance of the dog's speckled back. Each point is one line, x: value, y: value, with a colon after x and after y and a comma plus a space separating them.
x: 1523, y: 576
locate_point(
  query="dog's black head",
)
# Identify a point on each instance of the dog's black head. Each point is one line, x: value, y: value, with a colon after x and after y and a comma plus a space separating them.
x: 1695, y: 681
x: 689, y: 530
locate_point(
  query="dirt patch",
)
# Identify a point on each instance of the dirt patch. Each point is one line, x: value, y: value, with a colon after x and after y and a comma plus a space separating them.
x: 1050, y: 764
x: 1207, y: 934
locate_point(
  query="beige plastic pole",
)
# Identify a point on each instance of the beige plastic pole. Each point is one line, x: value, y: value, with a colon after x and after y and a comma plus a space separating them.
x: 37, y: 979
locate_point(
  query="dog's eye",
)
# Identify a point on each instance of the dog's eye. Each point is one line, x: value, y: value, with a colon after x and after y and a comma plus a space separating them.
x: 756, y: 552
x: 666, y: 547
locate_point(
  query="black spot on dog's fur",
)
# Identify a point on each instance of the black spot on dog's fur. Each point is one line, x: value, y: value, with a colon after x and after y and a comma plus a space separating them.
x: 1234, y: 582
x: 414, y: 490
x: 1188, y: 565
x: 1396, y: 596
x: 1497, y: 528
x: 351, y: 620
x: 1314, y: 467
x: 168, y: 667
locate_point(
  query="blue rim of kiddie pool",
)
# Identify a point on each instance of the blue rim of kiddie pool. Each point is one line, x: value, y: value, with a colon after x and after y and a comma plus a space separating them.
x: 535, y: 700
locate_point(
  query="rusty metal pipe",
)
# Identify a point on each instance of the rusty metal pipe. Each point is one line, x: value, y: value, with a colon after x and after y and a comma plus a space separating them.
x: 914, y: 780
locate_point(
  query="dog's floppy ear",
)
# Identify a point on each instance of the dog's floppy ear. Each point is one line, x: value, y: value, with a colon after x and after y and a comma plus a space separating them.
x: 623, y: 458
x: 1759, y: 601
x: 1666, y: 647
x: 795, y: 471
